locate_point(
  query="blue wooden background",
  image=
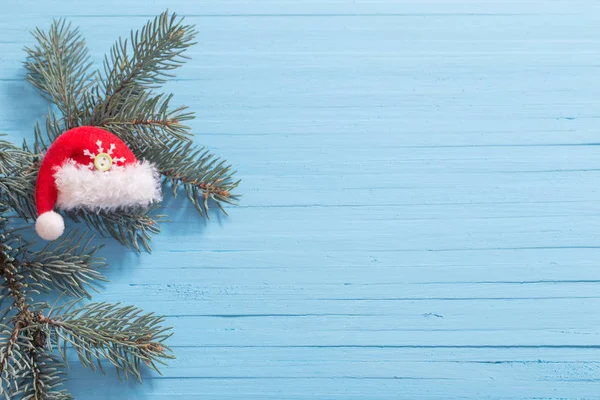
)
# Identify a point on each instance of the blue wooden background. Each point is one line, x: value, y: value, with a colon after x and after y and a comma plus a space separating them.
x: 420, y: 216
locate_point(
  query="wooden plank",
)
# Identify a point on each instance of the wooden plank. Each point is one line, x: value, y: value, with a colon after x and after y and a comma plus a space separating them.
x: 419, y: 214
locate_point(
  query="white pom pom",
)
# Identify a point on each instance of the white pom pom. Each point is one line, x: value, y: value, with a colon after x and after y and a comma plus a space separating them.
x: 50, y: 225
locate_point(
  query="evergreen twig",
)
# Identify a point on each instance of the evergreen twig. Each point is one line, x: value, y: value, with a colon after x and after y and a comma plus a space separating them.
x: 59, y: 67
x: 148, y: 117
x: 199, y: 173
x: 119, y: 99
x: 69, y: 265
x: 132, y: 227
x: 44, y: 378
x: 121, y: 335
x: 155, y: 50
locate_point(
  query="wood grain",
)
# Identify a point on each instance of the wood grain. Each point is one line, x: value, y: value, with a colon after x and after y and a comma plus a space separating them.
x: 420, y: 208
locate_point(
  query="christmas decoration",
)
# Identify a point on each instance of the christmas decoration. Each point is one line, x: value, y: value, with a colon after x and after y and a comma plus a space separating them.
x: 99, y: 159
x: 90, y: 168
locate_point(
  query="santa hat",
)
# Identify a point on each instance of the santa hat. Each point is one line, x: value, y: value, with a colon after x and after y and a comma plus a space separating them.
x: 90, y: 168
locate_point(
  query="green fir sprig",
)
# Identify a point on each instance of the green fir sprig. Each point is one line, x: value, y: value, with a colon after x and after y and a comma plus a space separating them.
x: 120, y: 97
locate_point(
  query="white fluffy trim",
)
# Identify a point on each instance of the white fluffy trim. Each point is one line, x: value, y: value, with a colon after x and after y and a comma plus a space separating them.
x: 132, y: 185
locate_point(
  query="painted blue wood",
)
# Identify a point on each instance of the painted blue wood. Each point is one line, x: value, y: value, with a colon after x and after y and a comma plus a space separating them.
x: 420, y: 213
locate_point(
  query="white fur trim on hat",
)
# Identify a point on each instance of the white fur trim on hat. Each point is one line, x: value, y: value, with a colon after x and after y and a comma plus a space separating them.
x: 50, y: 225
x: 132, y: 185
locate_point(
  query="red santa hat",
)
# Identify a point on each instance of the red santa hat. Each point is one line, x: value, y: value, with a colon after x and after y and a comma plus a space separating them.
x: 90, y: 168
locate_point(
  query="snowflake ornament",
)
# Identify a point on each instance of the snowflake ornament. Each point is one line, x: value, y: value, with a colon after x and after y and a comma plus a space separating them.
x: 103, y: 161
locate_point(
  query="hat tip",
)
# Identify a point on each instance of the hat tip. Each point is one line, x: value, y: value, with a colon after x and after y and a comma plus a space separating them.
x: 49, y: 225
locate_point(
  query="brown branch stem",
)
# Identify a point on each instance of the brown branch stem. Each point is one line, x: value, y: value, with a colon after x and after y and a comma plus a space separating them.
x: 9, y: 345
x: 154, y: 122
x: 207, y: 187
x: 37, y: 379
x: 24, y: 316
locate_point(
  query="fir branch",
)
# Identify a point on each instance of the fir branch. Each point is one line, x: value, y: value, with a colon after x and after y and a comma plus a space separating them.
x: 54, y: 127
x: 156, y: 50
x: 132, y: 227
x: 146, y: 116
x: 121, y: 335
x: 12, y: 357
x: 17, y: 179
x: 8, y: 350
x: 17, y: 368
x: 18, y: 193
x: 68, y: 265
x: 59, y: 67
x: 198, y: 172
x: 43, y: 380
x: 122, y: 102
x: 12, y: 159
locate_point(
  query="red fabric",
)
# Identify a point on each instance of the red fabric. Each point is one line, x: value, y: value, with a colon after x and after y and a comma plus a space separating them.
x: 71, y: 145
